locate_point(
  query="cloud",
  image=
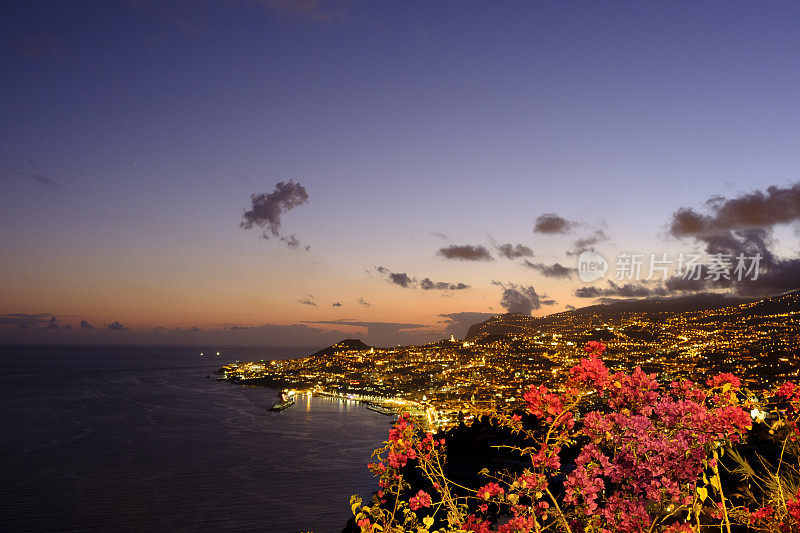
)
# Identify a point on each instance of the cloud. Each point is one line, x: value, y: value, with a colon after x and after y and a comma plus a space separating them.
x: 742, y: 225
x: 755, y: 210
x: 556, y: 270
x: 401, y: 278
x: 428, y: 285
x: 520, y: 298
x: 116, y: 326
x: 336, y: 304
x: 311, y: 10
x: 588, y: 243
x: 267, y: 208
x: 511, y: 251
x: 466, y: 252
x: 25, y: 320
x: 404, y: 280
x: 439, y: 235
x: 629, y: 290
x: 38, y: 178
x: 292, y: 242
x: 308, y: 301
x: 457, y: 324
x: 86, y: 325
x: 387, y: 333
x: 363, y: 302
x: 52, y: 323
x: 550, y: 223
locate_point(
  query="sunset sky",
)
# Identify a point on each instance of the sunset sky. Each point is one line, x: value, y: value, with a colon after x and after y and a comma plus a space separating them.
x: 392, y: 149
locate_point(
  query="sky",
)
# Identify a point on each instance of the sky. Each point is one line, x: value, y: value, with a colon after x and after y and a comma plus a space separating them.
x: 276, y: 172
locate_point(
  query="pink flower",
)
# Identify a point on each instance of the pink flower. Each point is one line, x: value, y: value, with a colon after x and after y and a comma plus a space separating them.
x: 594, y: 348
x: 422, y: 499
x: 489, y: 490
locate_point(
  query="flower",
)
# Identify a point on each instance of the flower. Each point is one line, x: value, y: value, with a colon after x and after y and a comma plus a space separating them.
x: 594, y: 348
x: 422, y: 499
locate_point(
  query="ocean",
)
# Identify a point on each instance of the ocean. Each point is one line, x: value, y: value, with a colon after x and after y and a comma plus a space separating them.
x: 140, y: 439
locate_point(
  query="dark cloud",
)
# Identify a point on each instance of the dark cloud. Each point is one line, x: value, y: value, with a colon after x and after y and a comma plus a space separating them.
x: 267, y: 208
x: 428, y: 285
x: 401, y: 278
x: 571, y: 307
x: 583, y: 244
x: 363, y: 302
x: 629, y: 290
x: 388, y: 333
x: 292, y: 242
x: 552, y: 223
x: 86, y: 325
x: 556, y: 270
x: 116, y: 326
x: 742, y: 226
x: 336, y: 304
x: 52, y: 323
x: 512, y: 251
x: 758, y: 209
x: 466, y: 252
x: 24, y: 320
x: 520, y: 298
x: 308, y: 301
x: 30, y: 176
x: 404, y: 280
x: 439, y: 235
x: 457, y: 324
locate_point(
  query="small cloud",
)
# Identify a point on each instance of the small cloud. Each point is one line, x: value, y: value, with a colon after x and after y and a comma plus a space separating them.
x: 336, y: 304
x: 512, y: 251
x: 551, y: 223
x: 629, y: 290
x: 363, y: 302
x: 521, y: 299
x: 53, y: 323
x: 30, y: 176
x: 116, y: 326
x: 466, y: 252
x: 266, y: 209
x: 195, y: 329
x: 25, y: 320
x: 571, y: 307
x: 588, y: 243
x: 308, y: 301
x: 86, y: 325
x: 556, y: 270
x: 439, y: 235
x: 401, y: 278
x: 292, y: 242
x: 428, y: 285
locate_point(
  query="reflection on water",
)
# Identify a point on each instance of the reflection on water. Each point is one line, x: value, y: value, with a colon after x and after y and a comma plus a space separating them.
x: 139, y: 438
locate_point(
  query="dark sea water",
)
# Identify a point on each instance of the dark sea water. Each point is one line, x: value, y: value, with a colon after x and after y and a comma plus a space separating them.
x: 138, y: 439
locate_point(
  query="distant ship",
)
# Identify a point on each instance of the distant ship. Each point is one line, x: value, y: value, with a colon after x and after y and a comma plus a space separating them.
x: 381, y: 409
x: 287, y: 400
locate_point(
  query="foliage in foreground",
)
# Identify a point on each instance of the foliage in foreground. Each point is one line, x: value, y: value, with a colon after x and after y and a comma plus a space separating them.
x: 640, y: 458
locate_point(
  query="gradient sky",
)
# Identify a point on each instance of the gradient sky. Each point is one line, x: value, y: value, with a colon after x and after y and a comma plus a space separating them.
x: 133, y: 134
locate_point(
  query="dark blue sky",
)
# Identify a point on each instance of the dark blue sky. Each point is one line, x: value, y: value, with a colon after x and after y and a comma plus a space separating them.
x: 133, y: 134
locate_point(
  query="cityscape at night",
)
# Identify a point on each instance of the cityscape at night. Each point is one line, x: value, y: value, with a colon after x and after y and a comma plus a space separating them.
x: 500, y: 358
x: 415, y: 266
